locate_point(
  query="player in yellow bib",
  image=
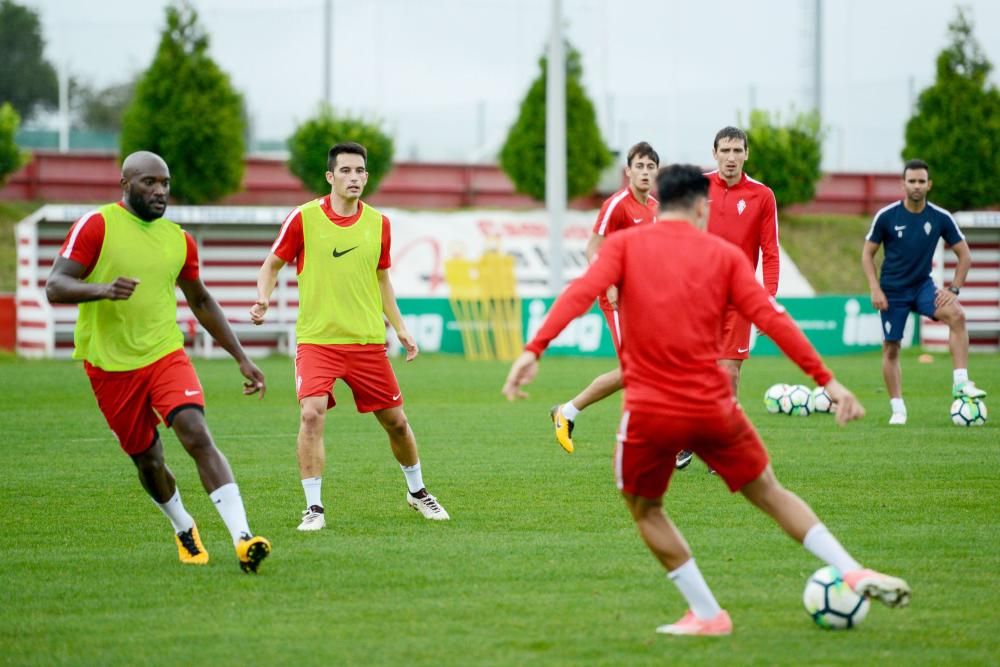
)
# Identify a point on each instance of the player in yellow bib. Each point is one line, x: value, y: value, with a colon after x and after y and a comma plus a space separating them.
x: 121, y: 263
x: 341, y: 249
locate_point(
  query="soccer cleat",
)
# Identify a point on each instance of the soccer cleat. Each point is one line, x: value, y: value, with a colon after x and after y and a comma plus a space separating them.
x: 313, y: 518
x: 891, y: 591
x: 563, y: 427
x: 968, y: 389
x: 189, y: 547
x: 684, y: 459
x: 897, y: 419
x: 428, y: 506
x: 690, y: 624
x: 251, y: 551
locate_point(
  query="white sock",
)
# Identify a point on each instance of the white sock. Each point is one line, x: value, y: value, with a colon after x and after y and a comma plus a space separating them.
x: 414, y: 478
x: 174, y: 510
x: 230, y: 506
x: 822, y: 544
x: 313, y: 486
x: 570, y: 411
x: 898, y: 406
x: 695, y: 590
x: 960, y: 375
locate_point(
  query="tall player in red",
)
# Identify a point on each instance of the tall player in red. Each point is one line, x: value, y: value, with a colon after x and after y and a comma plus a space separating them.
x: 673, y: 277
x: 632, y: 205
x: 744, y: 212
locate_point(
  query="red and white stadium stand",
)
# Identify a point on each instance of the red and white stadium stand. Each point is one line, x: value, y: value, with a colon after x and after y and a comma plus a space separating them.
x: 981, y: 292
x: 232, y: 243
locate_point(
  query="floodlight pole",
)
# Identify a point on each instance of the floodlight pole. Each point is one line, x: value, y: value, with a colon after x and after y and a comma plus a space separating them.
x: 327, y: 50
x: 64, y: 107
x: 555, y: 147
x: 818, y: 58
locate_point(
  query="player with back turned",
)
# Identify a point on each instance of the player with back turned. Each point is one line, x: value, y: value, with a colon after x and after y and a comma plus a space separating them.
x: 673, y: 277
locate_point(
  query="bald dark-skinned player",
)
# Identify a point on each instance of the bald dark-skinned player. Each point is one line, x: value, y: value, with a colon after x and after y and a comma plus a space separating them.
x: 121, y: 263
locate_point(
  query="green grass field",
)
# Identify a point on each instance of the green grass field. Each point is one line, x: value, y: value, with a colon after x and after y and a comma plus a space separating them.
x: 540, y: 564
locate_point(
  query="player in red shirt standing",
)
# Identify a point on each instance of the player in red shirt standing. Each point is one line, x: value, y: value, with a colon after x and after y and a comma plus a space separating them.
x: 744, y: 212
x: 630, y: 206
x: 673, y: 277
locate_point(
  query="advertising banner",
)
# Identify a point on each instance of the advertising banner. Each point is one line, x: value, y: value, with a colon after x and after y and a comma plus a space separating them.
x: 834, y: 324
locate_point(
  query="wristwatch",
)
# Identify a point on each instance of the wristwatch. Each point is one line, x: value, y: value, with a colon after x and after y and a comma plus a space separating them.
x: 954, y: 290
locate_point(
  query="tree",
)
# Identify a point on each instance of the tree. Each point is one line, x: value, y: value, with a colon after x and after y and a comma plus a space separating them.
x: 12, y: 157
x: 186, y: 110
x: 786, y: 157
x: 522, y: 156
x: 309, y: 144
x: 101, y: 109
x: 27, y: 80
x: 956, y: 125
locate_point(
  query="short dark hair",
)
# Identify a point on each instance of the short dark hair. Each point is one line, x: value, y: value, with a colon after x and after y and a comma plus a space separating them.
x: 345, y: 147
x: 730, y: 132
x: 916, y: 164
x: 642, y: 149
x: 680, y: 185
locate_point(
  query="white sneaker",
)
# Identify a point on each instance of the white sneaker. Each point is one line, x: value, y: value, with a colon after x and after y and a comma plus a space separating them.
x: 897, y: 419
x: 967, y: 389
x: 428, y: 506
x: 313, y: 518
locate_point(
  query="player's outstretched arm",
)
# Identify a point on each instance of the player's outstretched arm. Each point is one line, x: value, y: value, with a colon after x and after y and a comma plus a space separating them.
x: 849, y: 407
x: 267, y: 278
x: 391, y: 311
x: 208, y: 313
x: 66, y: 285
x: 522, y: 372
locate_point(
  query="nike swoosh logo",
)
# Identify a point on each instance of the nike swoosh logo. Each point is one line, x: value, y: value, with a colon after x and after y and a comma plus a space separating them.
x: 337, y: 253
x: 741, y: 350
x: 898, y: 228
x: 637, y: 220
x: 396, y: 397
x: 188, y: 392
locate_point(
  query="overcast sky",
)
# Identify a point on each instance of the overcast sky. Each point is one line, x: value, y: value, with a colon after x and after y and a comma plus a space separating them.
x: 446, y: 76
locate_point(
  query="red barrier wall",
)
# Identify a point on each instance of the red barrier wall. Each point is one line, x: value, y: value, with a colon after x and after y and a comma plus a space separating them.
x: 93, y: 177
x: 8, y: 321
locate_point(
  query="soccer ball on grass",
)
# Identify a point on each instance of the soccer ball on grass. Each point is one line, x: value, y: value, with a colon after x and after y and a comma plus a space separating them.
x: 773, y: 396
x: 820, y: 401
x: 831, y: 603
x: 796, y: 401
x: 967, y: 411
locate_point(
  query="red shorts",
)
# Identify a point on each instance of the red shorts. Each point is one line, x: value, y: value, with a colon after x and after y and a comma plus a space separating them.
x: 365, y: 369
x: 614, y: 326
x: 648, y: 444
x: 133, y: 402
x: 735, y: 336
